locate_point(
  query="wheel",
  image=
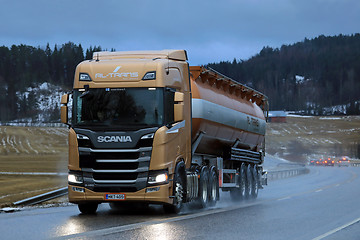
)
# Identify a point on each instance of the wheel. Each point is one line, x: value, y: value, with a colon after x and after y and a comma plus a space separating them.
x: 203, y: 198
x: 238, y: 194
x: 178, y: 190
x: 248, y: 182
x: 213, y: 187
x: 88, y: 208
x: 255, y: 185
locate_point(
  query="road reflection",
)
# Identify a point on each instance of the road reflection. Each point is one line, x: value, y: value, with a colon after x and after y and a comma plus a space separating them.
x: 162, y: 231
x: 72, y: 226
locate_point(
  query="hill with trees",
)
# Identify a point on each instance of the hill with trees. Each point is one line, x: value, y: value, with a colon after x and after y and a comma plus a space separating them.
x: 24, y: 68
x: 312, y: 76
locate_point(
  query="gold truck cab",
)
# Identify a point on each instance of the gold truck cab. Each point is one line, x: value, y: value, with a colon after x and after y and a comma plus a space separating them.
x: 130, y: 124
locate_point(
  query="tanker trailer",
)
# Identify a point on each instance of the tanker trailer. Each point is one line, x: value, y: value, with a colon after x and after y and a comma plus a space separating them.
x: 146, y: 128
x: 228, y: 132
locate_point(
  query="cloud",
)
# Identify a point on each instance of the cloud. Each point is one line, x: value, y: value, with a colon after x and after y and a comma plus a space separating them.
x: 210, y: 30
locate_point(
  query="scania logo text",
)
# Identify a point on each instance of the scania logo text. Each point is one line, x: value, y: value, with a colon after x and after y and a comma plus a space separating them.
x: 115, y: 139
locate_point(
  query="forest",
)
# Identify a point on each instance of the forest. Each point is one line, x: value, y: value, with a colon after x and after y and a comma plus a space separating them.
x: 309, y: 77
x: 25, y: 66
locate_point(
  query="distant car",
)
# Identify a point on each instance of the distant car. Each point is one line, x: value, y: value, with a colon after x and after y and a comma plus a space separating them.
x: 329, y: 162
x: 312, y: 162
x: 343, y: 162
x: 319, y: 162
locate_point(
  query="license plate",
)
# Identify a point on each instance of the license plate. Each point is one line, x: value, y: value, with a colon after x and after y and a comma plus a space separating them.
x: 115, y: 196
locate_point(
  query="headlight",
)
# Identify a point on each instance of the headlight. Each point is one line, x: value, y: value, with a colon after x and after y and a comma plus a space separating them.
x: 148, y: 136
x: 75, y: 178
x: 158, y: 177
x: 163, y: 177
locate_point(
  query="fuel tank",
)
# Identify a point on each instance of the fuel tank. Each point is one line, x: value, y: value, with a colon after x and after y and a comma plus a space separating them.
x: 225, y: 113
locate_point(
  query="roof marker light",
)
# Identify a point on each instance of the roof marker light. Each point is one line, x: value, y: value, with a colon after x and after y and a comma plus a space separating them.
x: 84, y: 77
x: 149, y: 76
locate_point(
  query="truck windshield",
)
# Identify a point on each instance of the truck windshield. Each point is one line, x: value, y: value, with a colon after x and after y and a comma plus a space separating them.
x: 120, y: 108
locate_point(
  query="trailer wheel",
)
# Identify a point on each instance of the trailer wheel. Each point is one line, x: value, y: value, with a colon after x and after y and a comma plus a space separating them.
x: 238, y: 194
x: 88, y: 208
x: 255, y: 183
x: 213, y: 187
x: 203, y: 198
x: 249, y: 182
x: 178, y: 191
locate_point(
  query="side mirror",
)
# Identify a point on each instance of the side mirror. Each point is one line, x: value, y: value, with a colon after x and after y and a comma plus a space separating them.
x: 179, y: 107
x: 64, y: 109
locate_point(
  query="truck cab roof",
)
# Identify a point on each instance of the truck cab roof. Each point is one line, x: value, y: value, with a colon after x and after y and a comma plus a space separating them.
x: 179, y: 55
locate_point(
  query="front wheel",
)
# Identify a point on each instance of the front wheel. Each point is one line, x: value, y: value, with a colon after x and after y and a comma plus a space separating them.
x: 88, y: 208
x: 178, y: 191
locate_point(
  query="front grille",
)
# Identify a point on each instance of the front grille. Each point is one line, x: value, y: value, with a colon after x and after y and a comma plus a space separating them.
x: 115, y: 165
x: 88, y: 159
x: 115, y: 169
x: 105, y: 159
x: 114, y: 176
x: 114, y: 189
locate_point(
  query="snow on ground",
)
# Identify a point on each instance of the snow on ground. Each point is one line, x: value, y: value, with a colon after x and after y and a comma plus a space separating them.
x: 273, y: 162
x: 298, y: 116
x: 330, y: 118
x: 45, y: 98
x: 299, y: 79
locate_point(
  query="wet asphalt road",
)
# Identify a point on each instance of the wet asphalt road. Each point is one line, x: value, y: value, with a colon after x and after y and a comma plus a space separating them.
x: 323, y: 204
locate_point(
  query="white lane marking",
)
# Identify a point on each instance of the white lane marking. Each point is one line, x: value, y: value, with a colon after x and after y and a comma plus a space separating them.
x: 284, y: 198
x: 337, y: 185
x: 337, y: 229
x: 320, y: 190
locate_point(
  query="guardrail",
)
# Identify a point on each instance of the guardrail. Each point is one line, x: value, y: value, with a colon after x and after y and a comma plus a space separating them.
x: 355, y: 163
x: 42, y: 197
x: 286, y: 173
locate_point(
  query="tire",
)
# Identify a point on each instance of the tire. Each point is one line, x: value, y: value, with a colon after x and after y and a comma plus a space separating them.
x: 203, y: 198
x: 88, y: 208
x: 178, y: 190
x: 255, y: 186
x: 248, y: 182
x: 238, y: 194
x: 213, y: 188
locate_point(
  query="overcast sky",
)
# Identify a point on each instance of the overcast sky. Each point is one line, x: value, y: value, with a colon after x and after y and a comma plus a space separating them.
x: 210, y: 31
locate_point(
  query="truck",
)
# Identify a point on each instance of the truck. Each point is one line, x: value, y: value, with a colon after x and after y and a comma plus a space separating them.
x: 147, y: 128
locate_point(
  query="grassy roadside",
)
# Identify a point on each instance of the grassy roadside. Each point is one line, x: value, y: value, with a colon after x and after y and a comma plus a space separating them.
x: 303, y: 138
x: 31, y: 150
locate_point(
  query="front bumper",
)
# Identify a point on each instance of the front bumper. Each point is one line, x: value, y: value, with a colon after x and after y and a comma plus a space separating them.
x: 155, y: 194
